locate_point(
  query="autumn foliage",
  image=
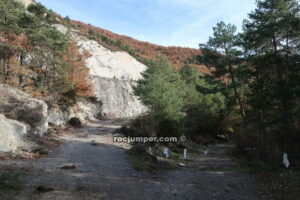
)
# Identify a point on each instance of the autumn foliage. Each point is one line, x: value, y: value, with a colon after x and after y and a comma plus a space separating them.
x: 12, y: 48
x: 177, y: 56
x: 37, y: 58
x: 79, y: 72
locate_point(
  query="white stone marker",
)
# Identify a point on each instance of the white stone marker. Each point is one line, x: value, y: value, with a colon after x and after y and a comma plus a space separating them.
x: 166, y: 152
x: 205, y: 152
x: 150, y: 151
x: 185, y: 153
x: 286, y: 160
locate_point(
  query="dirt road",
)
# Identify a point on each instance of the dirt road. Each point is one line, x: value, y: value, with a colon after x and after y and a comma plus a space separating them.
x: 103, y: 172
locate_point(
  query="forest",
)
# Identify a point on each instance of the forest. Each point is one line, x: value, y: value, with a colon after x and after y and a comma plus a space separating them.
x: 250, y: 97
x: 240, y: 87
x: 38, y: 58
x: 252, y: 92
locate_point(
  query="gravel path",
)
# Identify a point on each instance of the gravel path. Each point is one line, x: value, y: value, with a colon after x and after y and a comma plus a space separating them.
x: 103, y: 172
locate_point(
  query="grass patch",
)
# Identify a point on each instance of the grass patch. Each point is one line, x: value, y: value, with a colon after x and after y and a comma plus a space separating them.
x: 227, y: 169
x: 141, y: 165
x: 10, y: 181
x: 141, y: 160
x: 196, y: 151
x: 281, y: 185
x: 277, y: 182
x: 156, y: 162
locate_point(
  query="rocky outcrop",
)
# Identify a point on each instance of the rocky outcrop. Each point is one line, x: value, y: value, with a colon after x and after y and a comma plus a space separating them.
x: 20, y: 106
x: 12, y: 134
x: 113, y: 74
x: 117, y: 97
x: 57, y: 117
x: 84, y: 109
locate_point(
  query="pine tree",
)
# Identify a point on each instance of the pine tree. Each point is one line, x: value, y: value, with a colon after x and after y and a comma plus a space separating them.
x: 163, y: 91
x: 204, y: 104
x: 271, y: 41
x: 222, y: 53
x: 13, y: 41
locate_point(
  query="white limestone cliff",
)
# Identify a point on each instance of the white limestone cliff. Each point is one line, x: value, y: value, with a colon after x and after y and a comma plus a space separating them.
x: 113, y: 75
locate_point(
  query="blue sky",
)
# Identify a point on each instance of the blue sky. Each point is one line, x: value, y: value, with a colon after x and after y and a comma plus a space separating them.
x: 167, y: 22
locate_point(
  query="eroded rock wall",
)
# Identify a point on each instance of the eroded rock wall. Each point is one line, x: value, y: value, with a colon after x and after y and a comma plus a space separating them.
x: 117, y: 97
x: 113, y: 75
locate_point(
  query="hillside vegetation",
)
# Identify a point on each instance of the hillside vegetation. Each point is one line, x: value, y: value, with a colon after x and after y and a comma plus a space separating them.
x: 243, y: 88
x: 251, y: 97
x: 177, y: 56
x: 250, y: 93
x: 37, y: 58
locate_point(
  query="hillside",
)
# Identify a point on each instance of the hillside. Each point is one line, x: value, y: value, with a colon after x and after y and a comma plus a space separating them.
x: 143, y: 51
x: 177, y: 56
x: 89, y: 114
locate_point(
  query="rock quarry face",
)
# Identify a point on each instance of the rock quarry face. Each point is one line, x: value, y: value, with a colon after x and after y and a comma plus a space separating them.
x: 113, y: 75
x: 11, y: 134
x: 117, y: 97
x: 20, y: 106
x: 26, y: 2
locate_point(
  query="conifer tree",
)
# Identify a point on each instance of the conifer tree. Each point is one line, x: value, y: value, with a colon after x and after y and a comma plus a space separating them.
x: 271, y: 42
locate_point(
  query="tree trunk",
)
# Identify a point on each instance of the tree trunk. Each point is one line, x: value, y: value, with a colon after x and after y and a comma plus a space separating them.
x: 238, y: 98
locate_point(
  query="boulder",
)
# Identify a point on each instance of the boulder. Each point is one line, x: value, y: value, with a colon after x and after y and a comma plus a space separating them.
x: 68, y: 166
x: 57, y: 117
x: 85, y: 110
x: 20, y: 106
x: 12, y: 134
